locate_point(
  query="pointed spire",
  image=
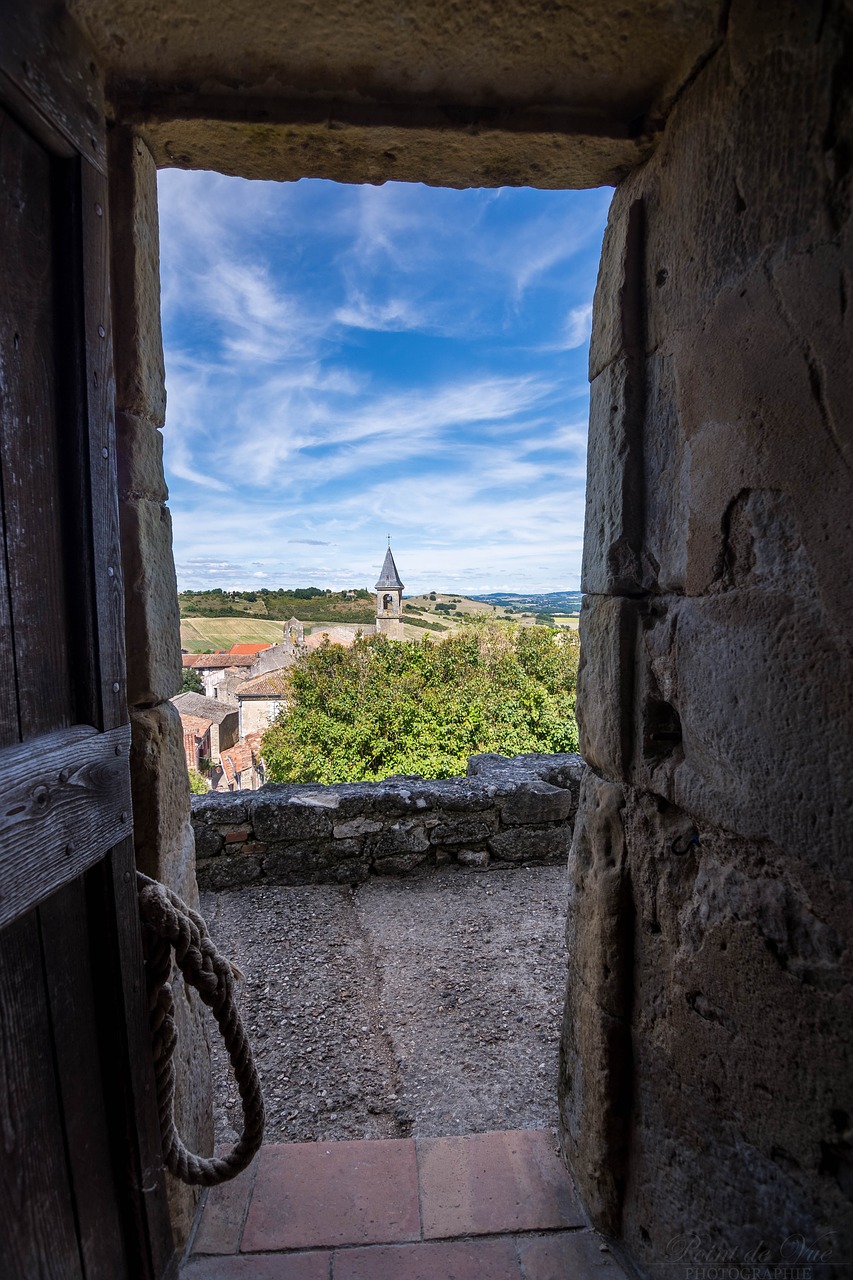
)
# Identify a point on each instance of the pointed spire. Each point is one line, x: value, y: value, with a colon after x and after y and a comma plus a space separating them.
x: 389, y: 578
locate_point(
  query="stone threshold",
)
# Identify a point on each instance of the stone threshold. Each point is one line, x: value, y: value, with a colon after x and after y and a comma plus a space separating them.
x: 487, y: 1206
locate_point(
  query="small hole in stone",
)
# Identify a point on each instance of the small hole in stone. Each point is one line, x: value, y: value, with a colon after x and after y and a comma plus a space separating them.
x: 662, y: 730
x: 644, y: 1236
x: 661, y: 277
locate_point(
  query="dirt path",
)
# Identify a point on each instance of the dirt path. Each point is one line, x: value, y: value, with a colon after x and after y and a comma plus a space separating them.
x: 427, y: 1006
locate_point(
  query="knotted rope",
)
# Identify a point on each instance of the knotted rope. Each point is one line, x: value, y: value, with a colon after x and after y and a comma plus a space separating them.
x: 167, y: 924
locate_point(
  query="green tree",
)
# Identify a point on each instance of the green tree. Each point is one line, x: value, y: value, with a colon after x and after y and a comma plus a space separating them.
x: 423, y: 707
x: 191, y: 681
x: 198, y: 785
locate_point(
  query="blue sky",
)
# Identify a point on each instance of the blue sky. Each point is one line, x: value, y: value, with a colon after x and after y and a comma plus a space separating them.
x: 347, y: 362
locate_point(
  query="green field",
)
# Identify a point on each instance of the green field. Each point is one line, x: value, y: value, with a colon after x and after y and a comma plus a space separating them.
x: 199, y: 634
x: 466, y: 611
x: 309, y: 604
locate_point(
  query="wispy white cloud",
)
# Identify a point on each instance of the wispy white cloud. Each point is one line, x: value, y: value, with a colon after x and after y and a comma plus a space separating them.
x: 578, y: 326
x: 344, y: 362
x: 392, y: 315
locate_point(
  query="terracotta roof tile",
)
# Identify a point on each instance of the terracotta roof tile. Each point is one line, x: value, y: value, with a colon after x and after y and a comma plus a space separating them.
x: 272, y: 684
x: 196, y: 725
x: 249, y: 648
x: 238, y: 757
x: 215, y: 661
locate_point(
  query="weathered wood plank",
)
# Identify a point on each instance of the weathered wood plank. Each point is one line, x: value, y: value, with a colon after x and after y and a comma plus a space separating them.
x: 65, y: 800
x: 72, y: 432
x: 37, y: 1230
x: 32, y: 499
x: 103, y: 485
x: 120, y: 991
x: 73, y: 1016
x: 8, y: 700
x: 49, y: 78
x: 65, y: 927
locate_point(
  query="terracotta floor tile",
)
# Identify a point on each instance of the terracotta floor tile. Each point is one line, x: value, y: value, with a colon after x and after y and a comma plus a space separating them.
x: 566, y: 1255
x: 489, y: 1183
x: 318, y: 1194
x: 267, y: 1266
x: 224, y: 1213
x: 448, y: 1260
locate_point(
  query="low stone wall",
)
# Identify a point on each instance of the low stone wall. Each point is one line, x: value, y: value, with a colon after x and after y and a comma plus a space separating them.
x: 506, y: 812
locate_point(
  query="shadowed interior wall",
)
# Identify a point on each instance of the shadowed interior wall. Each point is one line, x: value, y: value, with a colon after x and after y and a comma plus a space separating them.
x: 474, y: 94
x: 706, y: 1075
x: 161, y: 797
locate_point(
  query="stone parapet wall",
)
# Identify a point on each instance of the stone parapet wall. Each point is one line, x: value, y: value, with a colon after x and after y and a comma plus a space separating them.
x: 506, y: 812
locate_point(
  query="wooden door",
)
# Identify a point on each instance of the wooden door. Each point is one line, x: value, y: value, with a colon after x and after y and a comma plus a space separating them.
x: 81, y: 1184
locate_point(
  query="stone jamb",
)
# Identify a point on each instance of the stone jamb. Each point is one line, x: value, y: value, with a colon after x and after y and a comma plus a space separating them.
x: 161, y: 796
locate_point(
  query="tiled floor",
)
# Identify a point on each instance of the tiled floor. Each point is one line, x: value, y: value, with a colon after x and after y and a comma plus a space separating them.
x: 491, y: 1206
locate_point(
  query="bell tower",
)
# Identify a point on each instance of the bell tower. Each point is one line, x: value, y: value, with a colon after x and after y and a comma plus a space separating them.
x: 389, y: 600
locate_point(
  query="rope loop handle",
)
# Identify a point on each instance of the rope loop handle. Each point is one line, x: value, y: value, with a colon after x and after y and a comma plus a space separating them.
x: 169, y: 924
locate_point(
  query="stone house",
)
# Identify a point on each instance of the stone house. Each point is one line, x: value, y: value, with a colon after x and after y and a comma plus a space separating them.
x: 294, y: 632
x: 706, y: 1048
x: 197, y: 744
x: 221, y: 717
x: 260, y: 700
x: 242, y: 766
x: 220, y: 672
x: 275, y: 657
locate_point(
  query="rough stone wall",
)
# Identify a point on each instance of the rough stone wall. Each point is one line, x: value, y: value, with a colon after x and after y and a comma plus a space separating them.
x: 706, y: 1077
x: 161, y: 798
x: 480, y: 94
x: 508, y: 811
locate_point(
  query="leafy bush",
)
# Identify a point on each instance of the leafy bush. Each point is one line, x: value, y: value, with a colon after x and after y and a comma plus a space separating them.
x: 383, y: 707
x: 198, y: 785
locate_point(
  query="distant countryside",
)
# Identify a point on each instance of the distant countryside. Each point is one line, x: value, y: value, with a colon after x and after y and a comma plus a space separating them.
x: 304, y: 686
x: 217, y: 619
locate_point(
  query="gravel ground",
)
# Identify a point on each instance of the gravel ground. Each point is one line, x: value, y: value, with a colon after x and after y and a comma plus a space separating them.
x: 426, y: 1006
